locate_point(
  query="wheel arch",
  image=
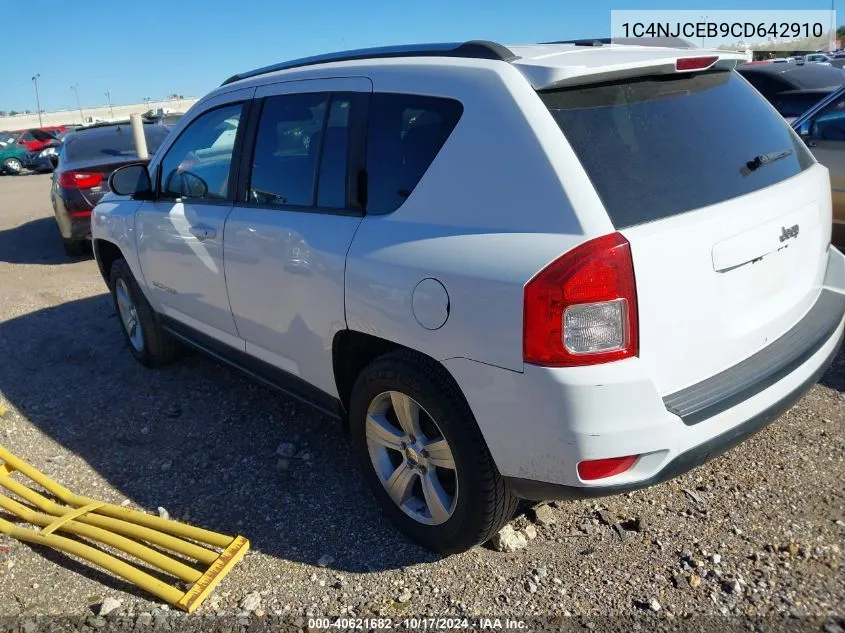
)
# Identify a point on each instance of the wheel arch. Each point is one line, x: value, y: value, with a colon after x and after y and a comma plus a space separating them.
x: 106, y: 253
x: 353, y: 351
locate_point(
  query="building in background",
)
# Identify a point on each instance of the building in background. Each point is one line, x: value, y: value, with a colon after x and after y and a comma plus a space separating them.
x: 91, y: 115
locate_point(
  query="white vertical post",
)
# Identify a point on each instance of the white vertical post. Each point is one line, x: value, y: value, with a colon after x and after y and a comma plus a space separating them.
x: 138, y: 136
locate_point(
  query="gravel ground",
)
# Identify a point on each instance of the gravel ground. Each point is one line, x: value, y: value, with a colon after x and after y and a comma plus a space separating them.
x: 757, y: 533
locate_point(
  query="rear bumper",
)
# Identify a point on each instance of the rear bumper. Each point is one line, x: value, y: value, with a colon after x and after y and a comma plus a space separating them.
x: 540, y: 423
x: 73, y: 215
x: 74, y: 228
x: 704, y: 452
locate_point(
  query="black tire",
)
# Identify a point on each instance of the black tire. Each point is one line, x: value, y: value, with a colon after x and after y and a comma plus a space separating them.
x: 75, y: 248
x: 484, y: 504
x: 158, y: 348
x: 13, y: 166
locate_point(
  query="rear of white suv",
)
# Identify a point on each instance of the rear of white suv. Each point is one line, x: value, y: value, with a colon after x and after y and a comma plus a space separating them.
x: 714, y: 306
x: 550, y: 271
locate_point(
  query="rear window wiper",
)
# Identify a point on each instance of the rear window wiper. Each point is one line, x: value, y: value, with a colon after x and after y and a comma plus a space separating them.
x: 763, y: 159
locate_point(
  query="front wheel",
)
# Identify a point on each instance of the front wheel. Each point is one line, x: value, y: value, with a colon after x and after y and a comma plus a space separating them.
x: 13, y: 166
x: 423, y: 454
x: 148, y: 342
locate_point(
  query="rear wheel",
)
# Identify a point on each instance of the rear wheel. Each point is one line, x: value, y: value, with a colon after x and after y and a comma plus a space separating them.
x: 423, y: 454
x: 147, y: 341
x: 12, y: 166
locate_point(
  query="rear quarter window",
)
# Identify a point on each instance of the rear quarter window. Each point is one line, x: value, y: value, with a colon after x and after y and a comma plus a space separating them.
x: 660, y: 146
x: 406, y: 132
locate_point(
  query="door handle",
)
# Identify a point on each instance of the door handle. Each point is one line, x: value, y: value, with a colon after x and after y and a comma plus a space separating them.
x: 203, y: 232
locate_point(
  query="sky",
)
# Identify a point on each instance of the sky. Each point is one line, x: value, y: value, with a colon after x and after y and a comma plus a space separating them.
x: 154, y: 48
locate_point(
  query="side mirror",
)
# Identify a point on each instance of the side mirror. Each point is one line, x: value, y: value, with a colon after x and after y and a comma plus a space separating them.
x: 132, y: 180
x: 804, y: 130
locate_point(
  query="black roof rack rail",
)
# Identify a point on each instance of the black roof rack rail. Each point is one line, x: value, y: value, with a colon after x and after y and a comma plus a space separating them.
x: 669, y: 42
x: 595, y: 41
x: 476, y: 49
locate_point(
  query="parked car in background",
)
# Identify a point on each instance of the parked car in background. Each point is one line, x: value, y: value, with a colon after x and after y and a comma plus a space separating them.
x: 792, y: 88
x: 42, y: 161
x: 13, y: 157
x: 67, y: 129
x: 164, y: 118
x: 823, y: 129
x: 85, y: 160
x: 837, y: 59
x: 650, y: 281
x: 35, y: 139
x: 817, y: 58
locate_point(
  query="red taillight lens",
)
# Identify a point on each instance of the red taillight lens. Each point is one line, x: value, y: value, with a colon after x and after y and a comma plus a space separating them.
x: 79, y: 179
x: 696, y: 63
x: 601, y: 468
x: 582, y: 308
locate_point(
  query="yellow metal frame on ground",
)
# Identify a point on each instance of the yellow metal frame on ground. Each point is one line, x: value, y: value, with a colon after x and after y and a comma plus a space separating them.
x: 146, y: 537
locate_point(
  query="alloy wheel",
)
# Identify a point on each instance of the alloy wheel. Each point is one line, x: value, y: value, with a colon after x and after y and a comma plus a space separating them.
x: 129, y: 315
x: 412, y: 458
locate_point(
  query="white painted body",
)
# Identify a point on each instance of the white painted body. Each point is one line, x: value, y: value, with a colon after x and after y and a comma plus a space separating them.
x: 505, y: 196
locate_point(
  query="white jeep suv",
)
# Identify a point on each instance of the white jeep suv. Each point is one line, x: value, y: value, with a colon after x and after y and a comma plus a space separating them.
x: 549, y: 271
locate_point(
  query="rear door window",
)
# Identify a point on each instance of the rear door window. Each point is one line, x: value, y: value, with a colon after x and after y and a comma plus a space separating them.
x: 660, y: 146
x: 406, y: 133
x: 284, y: 165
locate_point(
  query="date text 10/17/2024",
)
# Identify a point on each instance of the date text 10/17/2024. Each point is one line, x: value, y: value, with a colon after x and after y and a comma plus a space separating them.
x: 417, y: 624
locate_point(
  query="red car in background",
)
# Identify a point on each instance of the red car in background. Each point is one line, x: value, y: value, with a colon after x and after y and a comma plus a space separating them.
x: 35, y: 139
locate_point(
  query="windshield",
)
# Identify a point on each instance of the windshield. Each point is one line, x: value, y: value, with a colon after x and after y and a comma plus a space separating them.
x: 656, y: 147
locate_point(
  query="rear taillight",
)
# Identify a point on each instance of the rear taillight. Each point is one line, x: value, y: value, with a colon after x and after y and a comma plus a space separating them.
x: 582, y: 308
x: 79, y: 179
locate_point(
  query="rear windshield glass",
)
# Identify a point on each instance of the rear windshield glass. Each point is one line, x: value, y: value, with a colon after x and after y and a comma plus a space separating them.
x: 110, y: 142
x: 656, y: 147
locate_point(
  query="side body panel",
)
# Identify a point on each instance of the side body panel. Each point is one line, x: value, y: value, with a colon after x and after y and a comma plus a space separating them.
x: 184, y: 271
x: 113, y: 220
x: 285, y: 270
x: 490, y: 212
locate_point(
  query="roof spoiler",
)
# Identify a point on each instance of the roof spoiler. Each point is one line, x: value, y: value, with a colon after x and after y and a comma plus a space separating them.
x: 547, y: 77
